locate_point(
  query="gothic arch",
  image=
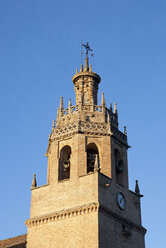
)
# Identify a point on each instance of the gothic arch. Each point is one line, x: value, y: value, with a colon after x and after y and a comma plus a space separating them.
x: 64, y: 163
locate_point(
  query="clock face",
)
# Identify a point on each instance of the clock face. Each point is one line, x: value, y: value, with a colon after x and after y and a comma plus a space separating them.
x: 121, y: 201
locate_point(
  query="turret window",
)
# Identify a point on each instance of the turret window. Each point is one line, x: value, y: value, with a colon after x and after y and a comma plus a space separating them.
x: 64, y: 163
x: 92, y: 157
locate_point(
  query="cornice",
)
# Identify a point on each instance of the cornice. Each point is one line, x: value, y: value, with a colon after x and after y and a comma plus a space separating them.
x: 122, y: 220
x: 86, y: 74
x: 81, y: 210
x: 62, y: 214
x: 88, y: 128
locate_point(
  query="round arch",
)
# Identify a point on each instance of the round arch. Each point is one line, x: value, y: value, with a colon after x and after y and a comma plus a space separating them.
x: 64, y: 163
x: 92, y: 157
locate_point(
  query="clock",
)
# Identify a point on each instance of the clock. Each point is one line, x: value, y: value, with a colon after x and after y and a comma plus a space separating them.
x: 121, y: 201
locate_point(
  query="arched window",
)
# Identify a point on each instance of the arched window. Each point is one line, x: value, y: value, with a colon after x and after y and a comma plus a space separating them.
x: 64, y: 163
x: 92, y: 157
x: 119, y: 167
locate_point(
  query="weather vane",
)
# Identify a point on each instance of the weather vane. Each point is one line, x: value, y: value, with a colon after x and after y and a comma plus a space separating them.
x: 87, y: 48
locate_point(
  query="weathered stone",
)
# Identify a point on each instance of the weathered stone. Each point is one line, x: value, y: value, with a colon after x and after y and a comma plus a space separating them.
x: 81, y: 207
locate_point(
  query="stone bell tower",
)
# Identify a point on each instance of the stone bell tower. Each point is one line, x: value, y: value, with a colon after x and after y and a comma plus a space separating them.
x: 86, y: 201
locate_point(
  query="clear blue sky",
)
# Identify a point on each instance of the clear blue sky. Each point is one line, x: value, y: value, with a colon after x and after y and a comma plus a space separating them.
x: 39, y: 52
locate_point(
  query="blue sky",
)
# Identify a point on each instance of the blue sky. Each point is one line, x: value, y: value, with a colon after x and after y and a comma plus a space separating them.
x: 39, y: 52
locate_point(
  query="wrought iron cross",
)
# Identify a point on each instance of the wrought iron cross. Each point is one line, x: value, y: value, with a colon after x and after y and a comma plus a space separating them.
x: 87, y: 47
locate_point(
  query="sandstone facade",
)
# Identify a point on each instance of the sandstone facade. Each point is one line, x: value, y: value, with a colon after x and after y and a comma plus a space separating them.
x: 86, y: 201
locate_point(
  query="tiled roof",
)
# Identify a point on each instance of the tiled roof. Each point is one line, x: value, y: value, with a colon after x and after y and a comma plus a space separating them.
x: 14, y: 242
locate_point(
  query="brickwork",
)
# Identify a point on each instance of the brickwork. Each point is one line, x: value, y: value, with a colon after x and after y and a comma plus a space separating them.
x: 87, y: 171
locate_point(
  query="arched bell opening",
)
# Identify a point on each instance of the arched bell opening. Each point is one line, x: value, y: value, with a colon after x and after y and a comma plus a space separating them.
x: 119, y: 167
x: 92, y: 157
x: 64, y: 163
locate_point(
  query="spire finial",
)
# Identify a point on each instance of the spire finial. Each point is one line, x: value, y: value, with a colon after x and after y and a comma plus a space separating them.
x: 61, y: 103
x: 81, y: 69
x: 125, y: 130
x: 34, y: 183
x: 111, y: 107
x: 103, y: 103
x: 115, y: 108
x: 102, y: 99
x: 137, y: 190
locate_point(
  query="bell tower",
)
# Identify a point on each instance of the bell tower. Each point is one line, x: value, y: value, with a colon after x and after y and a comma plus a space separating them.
x: 86, y: 201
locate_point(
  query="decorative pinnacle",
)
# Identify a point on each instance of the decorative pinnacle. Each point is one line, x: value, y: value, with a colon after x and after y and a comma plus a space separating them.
x: 115, y: 109
x: 111, y: 107
x: 76, y: 70
x: 70, y: 102
x: 53, y: 124
x: 61, y: 103
x: 34, y: 183
x: 125, y: 130
x: 81, y: 69
x: 137, y: 190
x: 90, y: 68
x: 102, y: 100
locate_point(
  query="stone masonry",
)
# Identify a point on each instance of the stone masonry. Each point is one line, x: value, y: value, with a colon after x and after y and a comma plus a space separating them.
x: 86, y: 201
